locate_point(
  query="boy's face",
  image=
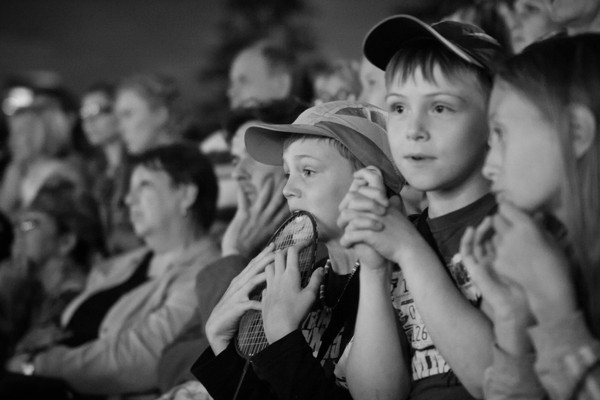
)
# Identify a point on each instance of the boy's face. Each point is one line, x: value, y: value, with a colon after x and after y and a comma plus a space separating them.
x: 524, y: 162
x: 437, y: 130
x: 318, y: 179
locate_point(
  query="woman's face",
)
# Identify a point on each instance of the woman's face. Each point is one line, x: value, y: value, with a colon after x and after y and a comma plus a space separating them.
x: 100, y: 123
x: 36, y: 237
x: 141, y: 125
x: 154, y: 201
x: 525, y: 161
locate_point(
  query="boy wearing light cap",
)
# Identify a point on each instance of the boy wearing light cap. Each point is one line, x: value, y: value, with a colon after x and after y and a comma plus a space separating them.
x: 438, y: 81
x: 307, y: 329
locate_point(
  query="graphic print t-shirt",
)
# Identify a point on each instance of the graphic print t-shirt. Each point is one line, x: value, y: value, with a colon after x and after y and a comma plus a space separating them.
x: 444, y: 234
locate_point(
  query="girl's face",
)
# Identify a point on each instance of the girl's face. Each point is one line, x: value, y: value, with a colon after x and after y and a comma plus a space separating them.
x: 318, y: 179
x: 525, y: 161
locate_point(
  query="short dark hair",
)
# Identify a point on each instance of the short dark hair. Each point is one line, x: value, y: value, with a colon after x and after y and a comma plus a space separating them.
x: 74, y: 211
x: 427, y: 53
x: 108, y: 89
x: 186, y: 164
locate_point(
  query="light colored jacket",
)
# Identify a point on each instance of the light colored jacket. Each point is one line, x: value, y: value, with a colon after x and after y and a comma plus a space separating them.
x: 137, y: 328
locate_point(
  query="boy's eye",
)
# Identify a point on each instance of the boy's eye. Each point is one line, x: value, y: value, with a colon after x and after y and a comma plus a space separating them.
x: 397, y: 108
x: 496, y: 135
x: 440, y: 109
x: 307, y: 172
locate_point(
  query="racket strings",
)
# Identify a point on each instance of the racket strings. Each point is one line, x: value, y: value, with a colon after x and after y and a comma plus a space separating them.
x: 298, y: 230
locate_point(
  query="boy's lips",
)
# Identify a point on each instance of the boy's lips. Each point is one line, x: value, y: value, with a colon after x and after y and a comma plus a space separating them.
x: 417, y: 157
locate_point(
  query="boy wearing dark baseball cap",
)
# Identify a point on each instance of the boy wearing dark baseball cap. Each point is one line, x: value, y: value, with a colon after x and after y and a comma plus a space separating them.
x: 438, y: 82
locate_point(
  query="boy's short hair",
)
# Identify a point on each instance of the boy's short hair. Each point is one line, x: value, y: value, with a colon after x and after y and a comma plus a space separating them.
x: 359, y: 127
x: 400, y: 44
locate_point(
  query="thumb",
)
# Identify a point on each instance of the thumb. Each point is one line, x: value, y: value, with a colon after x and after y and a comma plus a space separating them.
x: 315, y: 281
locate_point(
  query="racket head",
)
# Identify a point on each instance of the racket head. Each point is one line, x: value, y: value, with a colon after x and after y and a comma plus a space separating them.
x: 299, y: 229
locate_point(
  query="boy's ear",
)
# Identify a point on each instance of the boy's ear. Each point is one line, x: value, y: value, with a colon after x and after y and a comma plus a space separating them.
x: 583, y: 128
x: 190, y: 193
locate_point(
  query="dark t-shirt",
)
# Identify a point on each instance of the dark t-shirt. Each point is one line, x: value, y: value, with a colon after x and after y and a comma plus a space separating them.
x: 433, y: 378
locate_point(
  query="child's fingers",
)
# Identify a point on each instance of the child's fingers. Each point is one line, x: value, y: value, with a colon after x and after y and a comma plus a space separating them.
x: 365, y: 222
x: 315, y: 281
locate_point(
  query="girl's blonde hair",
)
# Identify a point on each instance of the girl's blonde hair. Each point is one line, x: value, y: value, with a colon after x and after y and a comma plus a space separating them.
x: 555, y: 74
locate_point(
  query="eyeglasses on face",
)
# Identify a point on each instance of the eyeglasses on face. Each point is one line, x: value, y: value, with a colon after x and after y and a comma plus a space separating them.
x: 95, y: 110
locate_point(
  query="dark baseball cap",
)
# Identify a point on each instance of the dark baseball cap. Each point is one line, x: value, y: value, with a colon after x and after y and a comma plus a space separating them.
x: 467, y: 41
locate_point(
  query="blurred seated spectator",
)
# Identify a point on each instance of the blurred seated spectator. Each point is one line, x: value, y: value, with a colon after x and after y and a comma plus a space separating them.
x: 335, y: 80
x: 576, y: 16
x: 149, y: 111
x: 372, y: 81
x: 39, y: 132
x: 527, y: 22
x: 261, y: 208
x: 133, y: 305
x: 57, y: 237
x: 109, y: 169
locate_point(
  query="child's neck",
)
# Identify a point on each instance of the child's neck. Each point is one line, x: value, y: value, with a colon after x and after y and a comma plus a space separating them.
x: 442, y: 202
x: 342, y: 259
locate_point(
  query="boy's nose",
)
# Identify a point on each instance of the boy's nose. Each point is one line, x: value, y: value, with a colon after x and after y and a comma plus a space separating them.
x: 290, y: 189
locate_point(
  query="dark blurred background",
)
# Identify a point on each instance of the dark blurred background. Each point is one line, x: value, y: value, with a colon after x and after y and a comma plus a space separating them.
x: 76, y: 42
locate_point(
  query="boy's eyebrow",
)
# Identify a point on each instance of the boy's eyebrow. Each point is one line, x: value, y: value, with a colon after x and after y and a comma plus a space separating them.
x: 434, y: 94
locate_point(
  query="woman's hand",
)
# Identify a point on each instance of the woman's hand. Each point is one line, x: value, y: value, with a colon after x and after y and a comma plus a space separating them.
x: 253, y: 222
x: 222, y: 324
x: 528, y: 255
x: 284, y: 303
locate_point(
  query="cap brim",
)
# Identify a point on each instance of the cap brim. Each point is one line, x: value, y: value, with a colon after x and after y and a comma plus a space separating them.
x: 264, y: 142
x: 387, y: 37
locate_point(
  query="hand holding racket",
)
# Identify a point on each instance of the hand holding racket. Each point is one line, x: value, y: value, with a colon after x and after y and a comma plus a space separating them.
x: 223, y: 321
x: 300, y: 232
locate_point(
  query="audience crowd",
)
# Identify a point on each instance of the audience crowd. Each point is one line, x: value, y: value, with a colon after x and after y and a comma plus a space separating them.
x: 453, y: 177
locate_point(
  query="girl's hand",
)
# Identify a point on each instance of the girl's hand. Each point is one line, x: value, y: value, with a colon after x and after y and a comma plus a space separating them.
x: 527, y: 255
x: 511, y: 313
x: 284, y: 303
x: 506, y: 298
x: 222, y: 324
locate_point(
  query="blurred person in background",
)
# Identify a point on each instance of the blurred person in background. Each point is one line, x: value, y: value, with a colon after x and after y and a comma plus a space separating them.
x: 335, y: 80
x: 577, y: 16
x: 133, y: 305
x: 261, y: 208
x: 41, y: 144
x: 56, y: 240
x: 265, y: 71
x: 527, y: 21
x: 149, y: 111
x: 109, y: 167
x: 372, y: 81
